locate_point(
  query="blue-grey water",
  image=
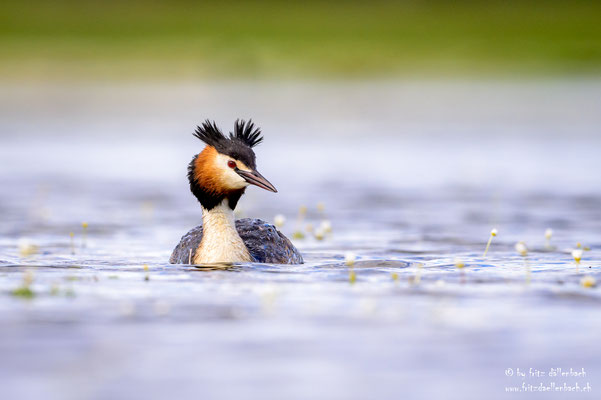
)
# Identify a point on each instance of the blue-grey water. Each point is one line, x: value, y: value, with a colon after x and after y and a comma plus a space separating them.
x: 412, y: 177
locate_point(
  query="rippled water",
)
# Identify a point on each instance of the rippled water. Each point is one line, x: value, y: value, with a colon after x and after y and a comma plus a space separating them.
x: 413, y: 176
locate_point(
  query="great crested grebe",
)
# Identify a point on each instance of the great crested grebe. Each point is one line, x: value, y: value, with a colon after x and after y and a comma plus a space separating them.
x: 218, y: 178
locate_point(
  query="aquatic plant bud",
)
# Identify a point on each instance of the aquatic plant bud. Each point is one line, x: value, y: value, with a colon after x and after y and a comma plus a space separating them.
x: 588, y: 282
x: 24, y: 290
x: 521, y: 248
x: 326, y: 225
x: 279, y: 220
x: 72, y: 241
x: 319, y: 234
x: 27, y: 278
x: 577, y: 254
x: 418, y: 275
x: 27, y: 247
x: 349, y: 258
x: 548, y: 235
x: 146, y: 275
x: 352, y: 277
x: 459, y: 264
x: 493, y: 233
x: 84, y: 243
x: 298, y: 235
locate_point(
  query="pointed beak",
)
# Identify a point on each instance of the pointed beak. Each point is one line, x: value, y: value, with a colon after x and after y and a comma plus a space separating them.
x: 255, y: 178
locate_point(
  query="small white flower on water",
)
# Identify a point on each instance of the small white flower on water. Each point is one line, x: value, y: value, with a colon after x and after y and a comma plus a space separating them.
x: 319, y: 234
x: 494, y: 232
x: 279, y: 220
x: 326, y: 225
x: 459, y: 264
x: 349, y: 258
x: 26, y: 247
x: 577, y: 254
x: 548, y: 233
x: 588, y: 282
x: 521, y: 248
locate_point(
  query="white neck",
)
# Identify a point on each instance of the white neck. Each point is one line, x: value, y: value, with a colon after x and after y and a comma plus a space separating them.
x: 220, y: 242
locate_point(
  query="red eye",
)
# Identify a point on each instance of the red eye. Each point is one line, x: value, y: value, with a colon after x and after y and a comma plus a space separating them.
x: 231, y: 164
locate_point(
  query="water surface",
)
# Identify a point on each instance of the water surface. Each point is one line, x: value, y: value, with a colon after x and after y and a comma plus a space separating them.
x: 413, y: 176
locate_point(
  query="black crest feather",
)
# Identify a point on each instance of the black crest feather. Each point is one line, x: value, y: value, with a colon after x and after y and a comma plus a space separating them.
x: 209, y: 133
x: 247, y: 132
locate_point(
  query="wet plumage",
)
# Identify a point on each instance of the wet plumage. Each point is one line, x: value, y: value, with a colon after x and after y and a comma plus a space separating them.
x: 264, y: 243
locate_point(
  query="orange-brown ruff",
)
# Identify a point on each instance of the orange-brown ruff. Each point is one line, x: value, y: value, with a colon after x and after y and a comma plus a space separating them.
x: 206, y: 173
x: 218, y: 177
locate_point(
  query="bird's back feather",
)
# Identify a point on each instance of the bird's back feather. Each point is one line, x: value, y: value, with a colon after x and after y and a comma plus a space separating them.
x: 264, y: 243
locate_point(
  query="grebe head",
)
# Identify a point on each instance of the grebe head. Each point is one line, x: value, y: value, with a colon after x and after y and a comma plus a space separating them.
x: 226, y: 166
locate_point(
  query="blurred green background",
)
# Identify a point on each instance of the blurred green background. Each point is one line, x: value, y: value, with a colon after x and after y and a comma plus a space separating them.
x: 267, y: 39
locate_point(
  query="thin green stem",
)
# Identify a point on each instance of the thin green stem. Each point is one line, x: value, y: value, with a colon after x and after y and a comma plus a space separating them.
x: 488, y: 245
